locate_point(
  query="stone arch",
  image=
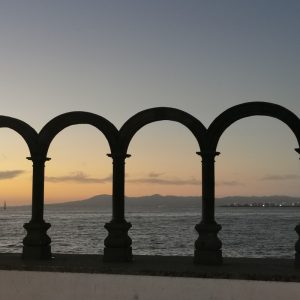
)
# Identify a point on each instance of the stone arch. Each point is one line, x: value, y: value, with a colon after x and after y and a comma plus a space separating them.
x: 57, y: 124
x: 38, y: 245
x: 31, y: 138
x: 139, y: 120
x: 208, y: 228
x: 118, y: 243
x: 29, y: 135
x: 235, y: 113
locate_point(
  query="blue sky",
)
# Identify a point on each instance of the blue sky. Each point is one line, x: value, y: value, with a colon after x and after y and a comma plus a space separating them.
x: 116, y: 58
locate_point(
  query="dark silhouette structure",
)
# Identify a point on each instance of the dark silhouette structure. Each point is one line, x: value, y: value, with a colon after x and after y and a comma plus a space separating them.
x: 208, y: 247
x: 134, y: 124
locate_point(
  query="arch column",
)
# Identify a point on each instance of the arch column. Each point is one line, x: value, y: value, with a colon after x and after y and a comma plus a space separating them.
x: 208, y: 245
x: 297, y: 229
x: 118, y: 243
x: 36, y: 244
x: 297, y: 247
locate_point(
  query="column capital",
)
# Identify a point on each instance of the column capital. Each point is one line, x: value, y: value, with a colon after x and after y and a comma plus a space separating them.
x: 118, y: 155
x: 207, y: 154
x: 38, y: 159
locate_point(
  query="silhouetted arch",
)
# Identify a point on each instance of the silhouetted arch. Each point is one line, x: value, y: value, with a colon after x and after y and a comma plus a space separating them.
x: 53, y: 127
x: 235, y: 113
x: 26, y: 131
x: 139, y: 120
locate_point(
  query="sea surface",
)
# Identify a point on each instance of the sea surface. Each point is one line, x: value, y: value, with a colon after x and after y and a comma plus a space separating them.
x: 246, y: 232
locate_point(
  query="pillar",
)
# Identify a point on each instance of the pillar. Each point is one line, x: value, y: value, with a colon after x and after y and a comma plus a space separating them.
x: 297, y: 248
x: 208, y: 245
x: 297, y: 245
x: 36, y: 244
x: 118, y: 243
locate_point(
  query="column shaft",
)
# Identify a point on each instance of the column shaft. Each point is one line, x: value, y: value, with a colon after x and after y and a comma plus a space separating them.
x: 118, y: 243
x: 208, y: 245
x: 38, y: 191
x: 208, y: 188
x: 36, y: 244
x: 118, y: 197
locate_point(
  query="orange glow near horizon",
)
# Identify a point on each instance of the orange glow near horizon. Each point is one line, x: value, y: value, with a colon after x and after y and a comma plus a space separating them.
x: 161, y: 163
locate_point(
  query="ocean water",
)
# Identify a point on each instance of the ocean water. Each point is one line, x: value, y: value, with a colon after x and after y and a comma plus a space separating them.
x: 246, y: 232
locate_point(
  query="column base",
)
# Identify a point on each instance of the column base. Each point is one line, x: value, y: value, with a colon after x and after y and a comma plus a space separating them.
x: 117, y: 243
x: 36, y: 244
x: 117, y: 254
x: 208, y: 257
x: 297, y: 260
x: 36, y: 252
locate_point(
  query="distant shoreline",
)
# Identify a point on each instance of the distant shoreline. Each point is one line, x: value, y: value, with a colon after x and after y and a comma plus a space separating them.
x: 259, y: 206
x: 159, y: 202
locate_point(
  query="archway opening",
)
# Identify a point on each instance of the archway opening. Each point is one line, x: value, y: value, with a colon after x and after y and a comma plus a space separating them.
x: 257, y: 182
x: 163, y: 189
x: 78, y: 188
x: 15, y: 187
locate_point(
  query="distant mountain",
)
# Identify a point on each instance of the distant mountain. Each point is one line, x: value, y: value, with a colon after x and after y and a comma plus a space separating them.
x: 167, y: 203
x: 145, y: 203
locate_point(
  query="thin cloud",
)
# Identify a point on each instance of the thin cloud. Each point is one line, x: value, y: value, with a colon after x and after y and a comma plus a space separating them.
x: 229, y: 183
x: 3, y: 156
x: 155, y: 175
x: 151, y: 178
x: 281, y: 177
x: 78, y: 177
x: 155, y: 178
x: 10, y: 174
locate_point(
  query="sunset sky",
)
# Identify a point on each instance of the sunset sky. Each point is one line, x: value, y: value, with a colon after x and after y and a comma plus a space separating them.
x: 116, y: 58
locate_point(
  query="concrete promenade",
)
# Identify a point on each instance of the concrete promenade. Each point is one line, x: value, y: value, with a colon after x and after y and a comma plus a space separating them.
x: 147, y: 277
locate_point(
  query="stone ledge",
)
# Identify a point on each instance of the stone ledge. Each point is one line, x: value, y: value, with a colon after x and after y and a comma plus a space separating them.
x: 265, y: 269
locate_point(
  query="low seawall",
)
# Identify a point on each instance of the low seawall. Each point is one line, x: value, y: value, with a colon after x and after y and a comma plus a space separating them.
x: 147, y: 277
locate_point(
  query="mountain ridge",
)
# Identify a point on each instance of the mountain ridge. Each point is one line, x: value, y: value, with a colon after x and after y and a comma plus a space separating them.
x: 169, y: 202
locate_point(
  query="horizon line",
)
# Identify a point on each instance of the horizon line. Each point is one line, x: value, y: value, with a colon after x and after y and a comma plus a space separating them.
x: 158, y: 195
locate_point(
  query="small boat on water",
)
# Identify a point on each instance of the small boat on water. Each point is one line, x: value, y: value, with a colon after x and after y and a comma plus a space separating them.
x: 4, y: 205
